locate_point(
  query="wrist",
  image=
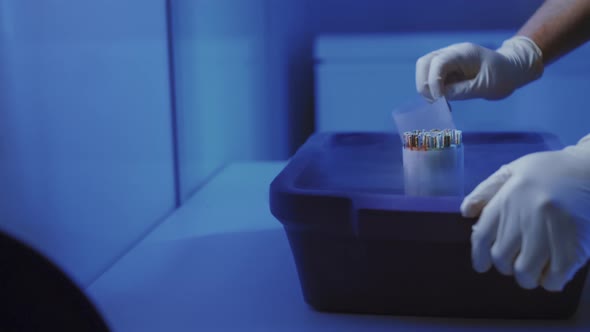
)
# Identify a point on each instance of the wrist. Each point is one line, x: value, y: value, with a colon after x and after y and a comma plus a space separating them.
x: 526, y: 56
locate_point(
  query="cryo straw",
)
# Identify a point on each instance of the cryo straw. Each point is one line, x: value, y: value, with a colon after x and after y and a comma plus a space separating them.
x: 434, y: 139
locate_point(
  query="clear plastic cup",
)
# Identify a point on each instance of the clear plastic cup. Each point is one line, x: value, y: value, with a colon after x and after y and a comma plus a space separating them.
x: 429, y: 171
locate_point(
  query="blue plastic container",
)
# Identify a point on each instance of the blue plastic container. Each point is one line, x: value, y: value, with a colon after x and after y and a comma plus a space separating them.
x: 362, y: 246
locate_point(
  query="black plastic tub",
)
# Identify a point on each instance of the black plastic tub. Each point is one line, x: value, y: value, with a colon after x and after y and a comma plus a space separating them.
x: 362, y: 246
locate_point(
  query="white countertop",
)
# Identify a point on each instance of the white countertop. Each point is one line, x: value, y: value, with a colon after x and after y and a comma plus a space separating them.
x: 222, y: 263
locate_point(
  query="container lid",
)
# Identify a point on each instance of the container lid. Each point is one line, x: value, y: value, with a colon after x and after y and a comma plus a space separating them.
x: 334, y: 175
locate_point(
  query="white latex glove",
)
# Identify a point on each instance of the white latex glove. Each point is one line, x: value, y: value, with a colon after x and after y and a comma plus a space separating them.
x: 535, y: 217
x: 465, y: 71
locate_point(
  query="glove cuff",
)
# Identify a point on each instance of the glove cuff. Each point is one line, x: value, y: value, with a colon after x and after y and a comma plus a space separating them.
x: 526, y: 55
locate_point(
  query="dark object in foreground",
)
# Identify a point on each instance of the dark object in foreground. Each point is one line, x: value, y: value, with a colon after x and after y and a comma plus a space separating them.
x: 35, y: 295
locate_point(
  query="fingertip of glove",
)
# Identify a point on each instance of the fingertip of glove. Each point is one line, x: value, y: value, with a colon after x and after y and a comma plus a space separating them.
x: 470, y: 208
x: 424, y: 90
x: 554, y: 282
x: 481, y: 267
x: 553, y: 288
x: 526, y: 281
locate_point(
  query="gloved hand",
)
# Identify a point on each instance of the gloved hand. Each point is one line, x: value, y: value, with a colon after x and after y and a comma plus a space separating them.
x: 534, y: 218
x: 465, y: 71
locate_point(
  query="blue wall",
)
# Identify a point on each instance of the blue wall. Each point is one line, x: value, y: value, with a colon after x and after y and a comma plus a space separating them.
x: 345, y: 16
x: 86, y: 163
x: 316, y: 18
x: 86, y: 157
x: 245, y: 69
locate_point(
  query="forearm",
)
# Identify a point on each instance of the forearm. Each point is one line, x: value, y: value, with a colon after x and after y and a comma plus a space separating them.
x: 558, y: 27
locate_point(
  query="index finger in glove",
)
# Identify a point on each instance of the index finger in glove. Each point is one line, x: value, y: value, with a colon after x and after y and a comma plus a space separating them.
x: 474, y: 203
x: 422, y: 70
x: 442, y: 68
